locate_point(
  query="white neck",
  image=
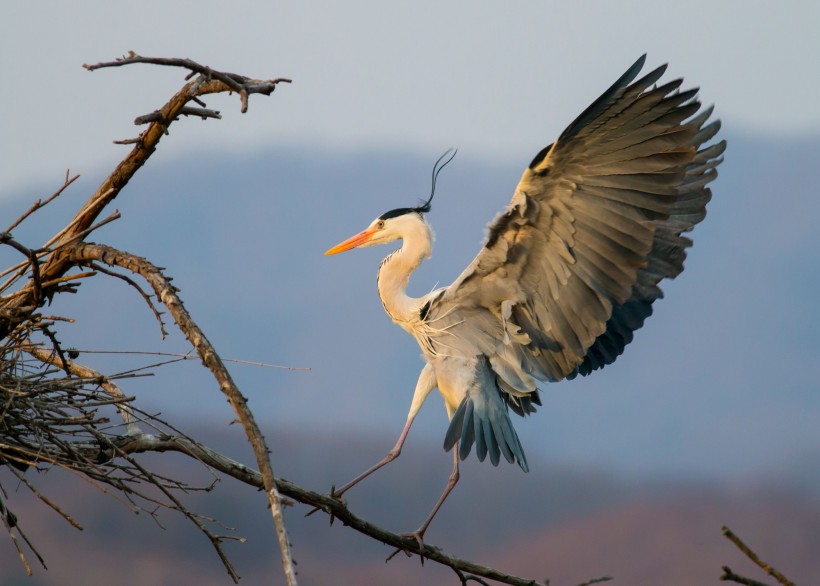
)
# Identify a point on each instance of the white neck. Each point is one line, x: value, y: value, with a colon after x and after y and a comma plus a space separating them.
x: 395, y: 272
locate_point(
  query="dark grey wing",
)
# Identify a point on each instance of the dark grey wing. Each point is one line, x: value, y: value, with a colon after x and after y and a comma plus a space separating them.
x: 665, y: 259
x: 571, y: 267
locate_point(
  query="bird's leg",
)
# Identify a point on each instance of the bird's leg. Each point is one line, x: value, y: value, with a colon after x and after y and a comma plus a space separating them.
x: 391, y: 455
x: 418, y: 534
x: 425, y: 384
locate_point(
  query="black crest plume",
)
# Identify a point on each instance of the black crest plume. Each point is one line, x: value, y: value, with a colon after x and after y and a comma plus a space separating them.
x: 436, y: 170
x: 422, y: 209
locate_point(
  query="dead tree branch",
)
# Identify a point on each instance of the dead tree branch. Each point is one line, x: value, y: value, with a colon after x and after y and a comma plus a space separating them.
x: 244, y: 86
x: 40, y: 203
x: 85, y: 372
x: 156, y: 115
x: 326, y: 503
x: 143, y: 294
x: 58, y: 421
x: 206, y: 81
x: 729, y: 575
x: 47, y: 268
x: 86, y: 253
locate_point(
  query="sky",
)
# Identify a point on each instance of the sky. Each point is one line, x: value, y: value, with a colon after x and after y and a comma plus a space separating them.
x: 497, y: 80
x: 491, y: 77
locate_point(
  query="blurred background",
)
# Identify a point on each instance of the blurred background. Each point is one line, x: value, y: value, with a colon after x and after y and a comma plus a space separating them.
x: 711, y: 417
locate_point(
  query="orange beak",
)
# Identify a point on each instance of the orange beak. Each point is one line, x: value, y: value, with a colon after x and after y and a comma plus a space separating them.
x: 352, y: 242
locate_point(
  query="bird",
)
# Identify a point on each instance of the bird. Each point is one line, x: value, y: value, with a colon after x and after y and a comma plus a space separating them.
x: 568, y: 271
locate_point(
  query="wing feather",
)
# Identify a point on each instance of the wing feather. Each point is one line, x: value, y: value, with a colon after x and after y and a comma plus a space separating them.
x: 571, y: 268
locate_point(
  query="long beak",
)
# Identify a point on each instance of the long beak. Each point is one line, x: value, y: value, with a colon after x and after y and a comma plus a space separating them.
x: 361, y: 238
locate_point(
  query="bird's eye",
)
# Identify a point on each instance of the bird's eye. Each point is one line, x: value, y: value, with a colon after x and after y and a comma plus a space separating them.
x: 380, y: 225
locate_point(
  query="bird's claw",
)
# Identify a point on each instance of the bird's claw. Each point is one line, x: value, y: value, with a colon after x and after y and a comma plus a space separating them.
x: 336, y: 496
x: 419, y: 537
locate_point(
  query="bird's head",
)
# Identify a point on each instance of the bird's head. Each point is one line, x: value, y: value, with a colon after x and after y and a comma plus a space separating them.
x: 396, y: 224
x: 390, y: 226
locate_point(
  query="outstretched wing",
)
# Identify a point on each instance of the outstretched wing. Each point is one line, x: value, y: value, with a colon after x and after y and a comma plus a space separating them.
x: 570, y: 269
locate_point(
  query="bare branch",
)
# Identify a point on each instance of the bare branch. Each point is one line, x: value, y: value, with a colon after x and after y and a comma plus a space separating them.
x: 747, y: 551
x: 105, y: 383
x: 729, y: 576
x: 201, y: 112
x: 190, y: 356
x: 596, y: 581
x: 115, y: 215
x: 215, y: 540
x: 326, y: 503
x: 156, y: 115
x: 167, y: 293
x: 45, y: 499
x: 208, y: 81
x: 244, y: 86
x: 40, y: 203
x: 143, y: 294
x: 5, y: 238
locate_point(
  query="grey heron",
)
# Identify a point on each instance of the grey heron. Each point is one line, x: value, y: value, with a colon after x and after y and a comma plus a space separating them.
x: 569, y: 270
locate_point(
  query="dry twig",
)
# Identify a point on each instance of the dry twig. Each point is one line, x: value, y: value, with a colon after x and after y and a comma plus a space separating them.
x: 206, y: 81
x: 84, y: 254
x: 244, y: 86
x: 729, y: 575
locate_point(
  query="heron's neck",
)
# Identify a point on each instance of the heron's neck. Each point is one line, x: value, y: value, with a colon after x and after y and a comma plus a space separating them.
x: 395, y: 272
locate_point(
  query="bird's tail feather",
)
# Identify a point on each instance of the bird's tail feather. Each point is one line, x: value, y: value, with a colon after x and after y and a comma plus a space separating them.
x: 483, y: 419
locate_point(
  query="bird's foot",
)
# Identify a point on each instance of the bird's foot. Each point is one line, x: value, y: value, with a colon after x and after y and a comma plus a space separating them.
x: 418, y: 535
x: 336, y: 496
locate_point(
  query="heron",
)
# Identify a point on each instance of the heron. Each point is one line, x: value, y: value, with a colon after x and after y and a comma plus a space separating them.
x: 567, y: 273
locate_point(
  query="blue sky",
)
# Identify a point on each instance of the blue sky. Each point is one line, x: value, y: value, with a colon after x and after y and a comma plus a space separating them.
x: 497, y: 79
